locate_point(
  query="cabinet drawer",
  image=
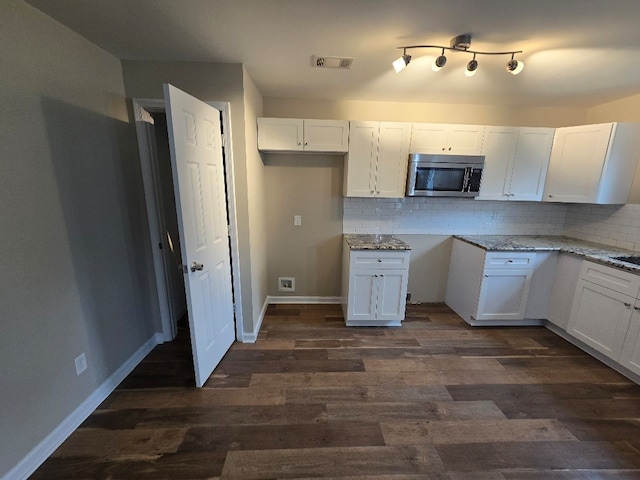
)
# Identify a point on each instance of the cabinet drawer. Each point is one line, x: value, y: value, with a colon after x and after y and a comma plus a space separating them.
x: 615, y: 279
x: 509, y: 260
x: 380, y: 259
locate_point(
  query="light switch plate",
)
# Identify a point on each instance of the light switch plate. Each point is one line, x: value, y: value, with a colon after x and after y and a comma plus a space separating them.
x: 297, y: 220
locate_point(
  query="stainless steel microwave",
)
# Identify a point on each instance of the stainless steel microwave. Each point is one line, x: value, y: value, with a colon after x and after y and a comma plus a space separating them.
x: 444, y: 175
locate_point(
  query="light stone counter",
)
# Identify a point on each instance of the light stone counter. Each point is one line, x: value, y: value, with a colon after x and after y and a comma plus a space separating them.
x: 375, y: 242
x: 591, y: 251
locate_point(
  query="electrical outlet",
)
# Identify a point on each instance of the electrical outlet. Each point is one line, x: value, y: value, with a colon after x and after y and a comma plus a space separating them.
x: 297, y: 220
x: 81, y: 363
x: 286, y: 284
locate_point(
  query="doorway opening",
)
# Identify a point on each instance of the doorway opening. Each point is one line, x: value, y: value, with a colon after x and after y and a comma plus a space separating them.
x: 153, y: 144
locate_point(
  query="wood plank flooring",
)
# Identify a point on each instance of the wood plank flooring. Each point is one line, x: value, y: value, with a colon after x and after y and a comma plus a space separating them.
x: 433, y: 399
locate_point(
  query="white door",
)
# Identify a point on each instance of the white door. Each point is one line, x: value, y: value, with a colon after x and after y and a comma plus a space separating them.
x: 196, y: 156
x: 503, y: 294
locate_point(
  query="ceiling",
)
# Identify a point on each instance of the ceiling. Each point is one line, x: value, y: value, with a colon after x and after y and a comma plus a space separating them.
x: 577, y: 52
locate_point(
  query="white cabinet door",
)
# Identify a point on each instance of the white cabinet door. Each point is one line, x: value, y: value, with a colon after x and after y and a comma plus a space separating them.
x: 630, y: 356
x: 360, y: 164
x: 577, y: 158
x: 280, y: 134
x: 503, y: 294
x: 528, y: 171
x: 446, y: 139
x: 363, y: 295
x: 600, y: 318
x: 499, y: 150
x: 393, y: 159
x: 376, y: 165
x: 391, y: 295
x: 326, y: 136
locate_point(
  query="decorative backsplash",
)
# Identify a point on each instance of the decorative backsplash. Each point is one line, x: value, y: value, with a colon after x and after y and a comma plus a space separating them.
x: 614, y: 225
x: 451, y: 216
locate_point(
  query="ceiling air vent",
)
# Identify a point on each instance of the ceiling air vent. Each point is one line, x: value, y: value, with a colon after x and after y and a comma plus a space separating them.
x: 331, y: 62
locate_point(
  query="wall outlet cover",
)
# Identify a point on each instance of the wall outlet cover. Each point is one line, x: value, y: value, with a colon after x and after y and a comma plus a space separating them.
x: 286, y: 284
x: 81, y: 363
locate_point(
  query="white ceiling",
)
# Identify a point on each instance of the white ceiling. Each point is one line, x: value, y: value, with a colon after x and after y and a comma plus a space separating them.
x: 577, y: 52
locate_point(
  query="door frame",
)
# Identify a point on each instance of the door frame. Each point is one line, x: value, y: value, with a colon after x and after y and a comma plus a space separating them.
x: 142, y: 107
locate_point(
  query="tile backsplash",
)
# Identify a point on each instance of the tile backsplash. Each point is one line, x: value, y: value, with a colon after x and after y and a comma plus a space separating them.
x: 451, y: 216
x: 614, y: 225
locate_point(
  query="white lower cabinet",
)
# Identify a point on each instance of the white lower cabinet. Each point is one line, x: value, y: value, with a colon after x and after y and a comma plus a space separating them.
x: 602, y: 308
x: 495, y: 288
x: 600, y: 318
x: 630, y: 357
x: 374, y: 286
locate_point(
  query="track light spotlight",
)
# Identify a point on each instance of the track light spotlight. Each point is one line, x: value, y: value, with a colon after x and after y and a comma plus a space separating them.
x: 515, y: 66
x: 472, y: 66
x: 400, y: 63
x: 439, y: 62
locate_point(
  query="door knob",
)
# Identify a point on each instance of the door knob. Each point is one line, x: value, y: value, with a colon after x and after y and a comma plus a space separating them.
x: 195, y: 266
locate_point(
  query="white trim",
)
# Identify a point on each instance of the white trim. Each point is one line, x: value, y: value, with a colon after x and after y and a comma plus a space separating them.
x: 253, y: 336
x: 48, y: 445
x: 158, y: 105
x: 297, y: 299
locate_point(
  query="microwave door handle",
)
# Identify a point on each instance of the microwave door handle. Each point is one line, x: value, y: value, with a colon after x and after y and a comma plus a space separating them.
x: 465, y: 180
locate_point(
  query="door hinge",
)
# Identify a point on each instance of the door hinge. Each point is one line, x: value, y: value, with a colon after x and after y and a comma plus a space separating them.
x: 185, y: 269
x: 224, y: 142
x: 160, y: 245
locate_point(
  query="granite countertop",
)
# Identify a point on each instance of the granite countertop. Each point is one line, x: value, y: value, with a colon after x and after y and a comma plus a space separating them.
x: 526, y: 243
x: 375, y: 242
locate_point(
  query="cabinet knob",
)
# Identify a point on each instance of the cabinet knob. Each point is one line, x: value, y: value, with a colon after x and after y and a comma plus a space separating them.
x: 299, y: 143
x: 637, y: 309
x: 627, y: 304
x: 306, y: 143
x: 449, y: 148
x: 549, y: 196
x: 379, y: 260
x: 443, y: 149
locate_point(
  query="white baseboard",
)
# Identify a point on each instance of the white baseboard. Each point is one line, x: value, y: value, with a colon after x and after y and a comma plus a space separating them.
x: 46, y: 447
x: 253, y: 336
x: 297, y: 300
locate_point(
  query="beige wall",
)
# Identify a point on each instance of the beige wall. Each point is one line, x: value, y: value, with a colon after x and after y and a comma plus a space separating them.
x: 423, y: 112
x: 73, y: 267
x: 256, y: 196
x: 210, y: 82
x: 310, y: 186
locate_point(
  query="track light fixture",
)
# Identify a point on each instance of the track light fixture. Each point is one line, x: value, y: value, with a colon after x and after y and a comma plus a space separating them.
x: 400, y: 63
x: 461, y: 43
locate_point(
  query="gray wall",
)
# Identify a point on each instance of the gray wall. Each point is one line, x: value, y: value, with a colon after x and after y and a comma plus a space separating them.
x: 221, y: 83
x: 73, y: 258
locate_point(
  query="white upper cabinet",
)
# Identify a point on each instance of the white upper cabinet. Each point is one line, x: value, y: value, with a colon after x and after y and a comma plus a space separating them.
x: 593, y: 163
x: 516, y: 162
x: 447, y: 139
x: 297, y: 135
x: 376, y: 165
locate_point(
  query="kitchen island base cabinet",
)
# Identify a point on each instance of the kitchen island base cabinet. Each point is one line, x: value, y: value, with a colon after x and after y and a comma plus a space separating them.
x: 374, y: 287
x: 499, y: 288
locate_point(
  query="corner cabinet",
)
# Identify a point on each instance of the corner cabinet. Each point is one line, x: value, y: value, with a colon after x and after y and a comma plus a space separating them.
x: 593, y: 163
x: 287, y: 135
x: 374, y: 286
x: 516, y: 162
x: 376, y: 164
x: 447, y: 139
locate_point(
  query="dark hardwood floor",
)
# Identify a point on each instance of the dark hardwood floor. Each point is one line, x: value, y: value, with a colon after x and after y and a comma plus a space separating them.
x: 433, y: 399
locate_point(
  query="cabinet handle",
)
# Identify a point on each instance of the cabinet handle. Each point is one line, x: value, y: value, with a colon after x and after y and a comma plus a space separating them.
x: 637, y: 309
x: 379, y: 260
x: 509, y: 261
x: 486, y: 276
x: 627, y: 304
